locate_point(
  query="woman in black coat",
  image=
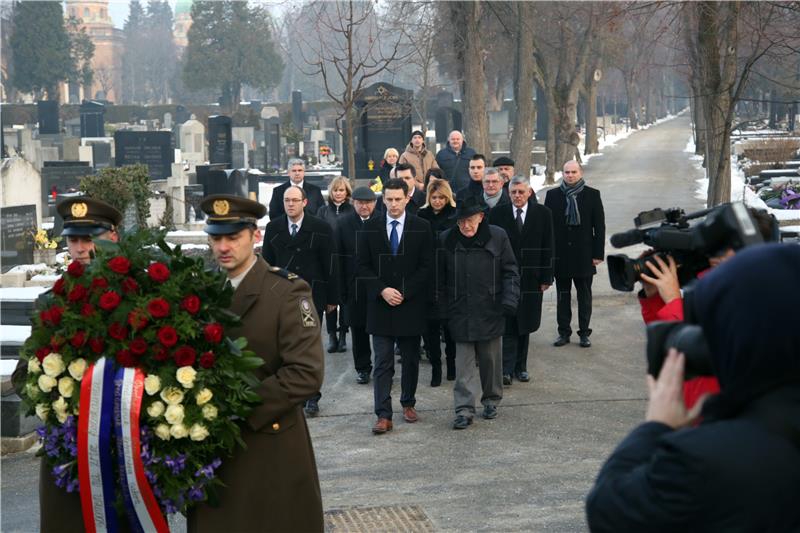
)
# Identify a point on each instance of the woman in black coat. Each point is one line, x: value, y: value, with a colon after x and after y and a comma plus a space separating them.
x: 439, y: 211
x: 390, y: 157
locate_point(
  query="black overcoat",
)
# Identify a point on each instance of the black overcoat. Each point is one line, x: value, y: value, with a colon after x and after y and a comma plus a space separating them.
x: 332, y: 214
x: 576, y: 246
x: 533, y: 249
x: 313, y: 194
x: 352, y: 291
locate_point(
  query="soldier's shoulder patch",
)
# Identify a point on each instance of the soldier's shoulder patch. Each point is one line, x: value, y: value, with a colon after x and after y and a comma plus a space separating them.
x: 307, y: 313
x: 282, y: 272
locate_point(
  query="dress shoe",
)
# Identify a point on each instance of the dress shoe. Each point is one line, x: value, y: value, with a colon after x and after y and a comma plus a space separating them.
x: 523, y: 377
x: 342, y: 341
x: 507, y: 380
x: 436, y: 375
x: 461, y: 422
x: 585, y: 342
x: 489, y: 412
x: 333, y: 343
x: 383, y: 425
x: 312, y: 408
x: 561, y: 341
x: 363, y: 378
x: 410, y: 415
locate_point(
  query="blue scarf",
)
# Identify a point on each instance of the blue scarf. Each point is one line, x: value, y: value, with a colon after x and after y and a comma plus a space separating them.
x: 573, y: 215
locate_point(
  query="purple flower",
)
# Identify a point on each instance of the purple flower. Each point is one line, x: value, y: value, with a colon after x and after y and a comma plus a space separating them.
x: 195, y: 494
x: 176, y: 464
x: 169, y: 507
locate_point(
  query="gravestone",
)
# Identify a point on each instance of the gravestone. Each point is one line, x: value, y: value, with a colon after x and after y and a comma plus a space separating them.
x: 92, y: 122
x: 151, y: 148
x: 17, y: 225
x: 59, y: 178
x: 272, y: 138
x: 47, y: 111
x: 297, y: 111
x: 192, y: 141
x: 101, y: 154
x: 447, y: 119
x: 220, y: 140
x: 498, y: 123
x: 168, y: 121
x: 73, y: 127
x: 193, y: 196
x: 239, y: 154
x: 227, y: 181
x: 182, y: 114
x: 203, y: 175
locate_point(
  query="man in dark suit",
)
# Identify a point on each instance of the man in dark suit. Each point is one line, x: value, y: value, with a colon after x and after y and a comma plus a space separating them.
x: 352, y: 288
x: 416, y: 198
x: 477, y: 168
x: 494, y: 194
x: 303, y: 244
x: 530, y: 229
x: 395, y: 253
x: 297, y: 174
x: 580, y: 233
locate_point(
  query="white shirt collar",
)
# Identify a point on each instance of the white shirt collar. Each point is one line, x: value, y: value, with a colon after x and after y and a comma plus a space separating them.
x: 238, y: 279
x: 524, y: 210
x: 401, y: 220
x: 299, y: 223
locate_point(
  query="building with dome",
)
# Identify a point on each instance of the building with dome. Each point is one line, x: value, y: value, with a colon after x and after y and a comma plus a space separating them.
x: 183, y: 21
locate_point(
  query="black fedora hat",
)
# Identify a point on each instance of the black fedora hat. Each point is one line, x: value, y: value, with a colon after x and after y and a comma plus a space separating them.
x: 471, y: 205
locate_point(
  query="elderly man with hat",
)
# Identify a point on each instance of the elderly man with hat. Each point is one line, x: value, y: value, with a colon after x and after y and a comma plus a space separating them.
x: 477, y: 286
x: 273, y: 483
x: 418, y: 156
x: 505, y: 166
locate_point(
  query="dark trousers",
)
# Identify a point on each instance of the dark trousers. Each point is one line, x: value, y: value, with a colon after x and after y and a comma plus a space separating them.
x: 318, y: 394
x: 384, y: 372
x: 433, y: 345
x: 334, y: 322
x: 515, y: 348
x: 362, y: 353
x: 583, y: 286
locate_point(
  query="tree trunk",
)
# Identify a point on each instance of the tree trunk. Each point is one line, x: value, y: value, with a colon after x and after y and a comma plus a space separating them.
x: 522, y: 140
x: 551, y: 146
x: 350, y: 142
x: 592, y: 143
x: 476, y: 121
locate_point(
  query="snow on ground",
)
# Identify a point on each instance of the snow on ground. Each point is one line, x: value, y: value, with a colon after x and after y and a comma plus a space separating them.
x: 16, y: 334
x: 8, y: 294
x: 7, y: 367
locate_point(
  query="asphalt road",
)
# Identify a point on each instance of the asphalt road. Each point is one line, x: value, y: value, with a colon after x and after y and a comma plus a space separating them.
x: 527, y: 470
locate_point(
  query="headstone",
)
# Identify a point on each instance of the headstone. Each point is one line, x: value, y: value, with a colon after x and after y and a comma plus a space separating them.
x: 239, y: 154
x: 21, y: 184
x: 101, y: 154
x: 227, y: 181
x: 17, y: 225
x: 297, y: 111
x: 59, y: 178
x: 272, y: 143
x: 151, y: 148
x: 92, y: 122
x: 220, y: 139
x: 47, y: 111
x: 498, y: 122
x: 203, y: 176
x: 192, y: 141
x: 193, y: 194
x: 73, y: 127
x: 168, y: 120
x: 447, y: 119
x: 130, y: 221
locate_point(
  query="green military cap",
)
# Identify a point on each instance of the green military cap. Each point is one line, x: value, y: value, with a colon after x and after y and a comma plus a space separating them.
x: 84, y: 216
x: 228, y: 214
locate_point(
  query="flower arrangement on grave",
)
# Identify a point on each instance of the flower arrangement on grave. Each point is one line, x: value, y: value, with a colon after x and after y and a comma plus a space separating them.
x: 41, y: 241
x: 140, y: 391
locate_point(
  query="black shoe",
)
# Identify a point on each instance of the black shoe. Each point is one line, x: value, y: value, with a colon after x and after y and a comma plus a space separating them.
x: 461, y: 422
x: 312, y: 408
x: 363, y: 378
x: 561, y: 341
x: 585, y: 342
x: 489, y: 412
x: 333, y: 343
x: 523, y: 377
x: 436, y: 375
x: 451, y: 371
x: 342, y: 341
x: 507, y: 379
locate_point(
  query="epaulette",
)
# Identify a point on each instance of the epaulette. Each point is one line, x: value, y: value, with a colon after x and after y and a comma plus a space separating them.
x: 282, y: 272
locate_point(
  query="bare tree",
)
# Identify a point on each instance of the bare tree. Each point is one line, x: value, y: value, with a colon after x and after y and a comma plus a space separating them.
x: 524, y: 79
x: 105, y: 77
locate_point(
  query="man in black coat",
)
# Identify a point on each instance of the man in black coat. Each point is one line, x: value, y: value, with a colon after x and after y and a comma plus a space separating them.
x: 395, y: 252
x: 297, y: 173
x: 416, y: 198
x: 530, y: 229
x: 353, y: 289
x: 477, y: 169
x: 303, y: 244
x: 494, y: 194
x: 579, y: 228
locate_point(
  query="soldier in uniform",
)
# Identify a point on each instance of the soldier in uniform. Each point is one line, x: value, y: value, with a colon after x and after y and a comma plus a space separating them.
x: 272, y: 485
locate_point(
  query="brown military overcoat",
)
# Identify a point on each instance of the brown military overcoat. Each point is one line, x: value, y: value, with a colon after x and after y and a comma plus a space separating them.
x: 273, y: 484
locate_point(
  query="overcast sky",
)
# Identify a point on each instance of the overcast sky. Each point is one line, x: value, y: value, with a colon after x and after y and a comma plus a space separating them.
x: 118, y: 9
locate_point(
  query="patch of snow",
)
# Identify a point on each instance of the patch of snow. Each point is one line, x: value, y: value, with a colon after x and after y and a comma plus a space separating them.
x: 7, y: 367
x: 37, y: 267
x: 8, y: 294
x: 690, y: 148
x: 16, y: 334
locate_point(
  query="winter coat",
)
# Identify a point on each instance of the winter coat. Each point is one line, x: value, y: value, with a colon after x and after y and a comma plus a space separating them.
x: 441, y: 221
x: 576, y: 246
x: 352, y: 288
x: 421, y: 160
x: 313, y: 194
x: 332, y: 213
x: 455, y: 165
x: 384, y: 171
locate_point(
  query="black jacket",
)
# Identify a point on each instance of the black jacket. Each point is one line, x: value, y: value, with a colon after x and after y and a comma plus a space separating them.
x: 533, y: 249
x: 473, y: 188
x: 352, y: 288
x: 310, y: 255
x: 476, y: 286
x: 332, y: 214
x: 416, y: 202
x: 409, y: 272
x: 576, y: 246
x: 455, y: 165
x: 313, y: 193
x: 504, y: 200
x: 441, y: 221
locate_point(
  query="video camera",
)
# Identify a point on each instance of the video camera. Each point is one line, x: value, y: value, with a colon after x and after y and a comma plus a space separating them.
x: 670, y: 234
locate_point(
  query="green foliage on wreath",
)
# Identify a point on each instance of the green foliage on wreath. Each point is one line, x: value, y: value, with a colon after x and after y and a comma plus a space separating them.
x: 121, y: 187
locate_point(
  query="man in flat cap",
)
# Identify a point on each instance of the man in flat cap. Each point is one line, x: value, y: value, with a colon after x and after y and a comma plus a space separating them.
x: 273, y: 483
x: 505, y: 166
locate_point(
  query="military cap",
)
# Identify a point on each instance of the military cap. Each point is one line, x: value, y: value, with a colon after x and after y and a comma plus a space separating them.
x: 228, y: 214
x: 84, y: 216
x: 365, y: 194
x: 503, y: 161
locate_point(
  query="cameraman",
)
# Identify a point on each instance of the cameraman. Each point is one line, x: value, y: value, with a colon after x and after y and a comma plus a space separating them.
x: 740, y: 469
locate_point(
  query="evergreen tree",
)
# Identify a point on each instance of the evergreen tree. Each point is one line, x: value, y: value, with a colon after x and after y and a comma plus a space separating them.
x: 81, y: 53
x: 133, y: 60
x: 161, y: 53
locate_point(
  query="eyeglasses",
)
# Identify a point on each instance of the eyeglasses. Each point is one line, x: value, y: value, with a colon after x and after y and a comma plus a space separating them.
x: 292, y: 200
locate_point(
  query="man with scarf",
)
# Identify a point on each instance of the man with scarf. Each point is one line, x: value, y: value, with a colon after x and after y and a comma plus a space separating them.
x: 579, y: 229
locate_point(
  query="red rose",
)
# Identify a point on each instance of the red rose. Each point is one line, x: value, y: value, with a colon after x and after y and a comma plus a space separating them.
x: 126, y: 358
x: 87, y: 310
x: 99, y: 283
x: 191, y: 304
x: 162, y: 354
x: 119, y: 264
x: 117, y: 331
x: 58, y: 287
x: 168, y: 336
x: 158, y: 272
x: 138, y: 346
x: 207, y: 359
x: 109, y: 300
x: 77, y: 293
x: 158, y: 307
x: 96, y: 344
x: 213, y: 332
x: 137, y: 319
x: 129, y: 285
x: 78, y: 339
x: 56, y: 342
x: 52, y: 316
x: 185, y: 356
x: 75, y: 269
x: 42, y: 352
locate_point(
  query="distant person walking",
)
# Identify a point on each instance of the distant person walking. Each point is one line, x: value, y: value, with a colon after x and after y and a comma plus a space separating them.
x: 417, y: 155
x: 297, y: 175
x: 454, y: 159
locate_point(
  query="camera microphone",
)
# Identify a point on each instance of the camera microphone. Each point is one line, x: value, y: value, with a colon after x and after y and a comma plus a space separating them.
x: 627, y: 238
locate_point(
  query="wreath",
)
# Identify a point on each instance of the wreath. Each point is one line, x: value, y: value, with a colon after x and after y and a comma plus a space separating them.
x: 140, y: 391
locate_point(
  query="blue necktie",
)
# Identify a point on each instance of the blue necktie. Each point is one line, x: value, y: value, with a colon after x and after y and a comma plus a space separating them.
x: 294, y: 230
x: 394, y: 240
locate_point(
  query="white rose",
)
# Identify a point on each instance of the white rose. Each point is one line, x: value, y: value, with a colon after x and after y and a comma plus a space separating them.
x: 53, y: 365
x: 76, y: 368
x: 172, y: 395
x: 162, y: 431
x: 156, y: 409
x: 209, y: 412
x: 198, y: 432
x: 32, y: 391
x: 61, y: 416
x: 203, y: 396
x: 174, y: 414
x: 42, y: 409
x: 66, y: 386
x: 152, y: 384
x: 185, y: 376
x: 34, y: 367
x: 60, y: 405
x: 46, y: 383
x: 178, y: 431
